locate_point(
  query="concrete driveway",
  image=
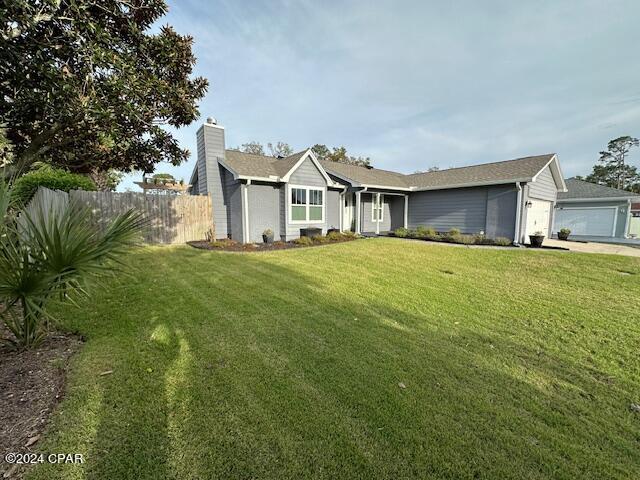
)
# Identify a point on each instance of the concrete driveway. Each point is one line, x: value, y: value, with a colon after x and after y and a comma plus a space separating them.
x: 594, y: 247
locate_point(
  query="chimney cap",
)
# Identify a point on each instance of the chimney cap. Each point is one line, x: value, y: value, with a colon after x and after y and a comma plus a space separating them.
x: 212, y: 121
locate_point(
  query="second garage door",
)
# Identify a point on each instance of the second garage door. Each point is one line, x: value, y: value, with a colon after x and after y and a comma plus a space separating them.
x: 596, y: 222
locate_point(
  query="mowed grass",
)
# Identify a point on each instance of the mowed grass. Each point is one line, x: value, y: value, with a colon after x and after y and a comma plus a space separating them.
x: 517, y: 364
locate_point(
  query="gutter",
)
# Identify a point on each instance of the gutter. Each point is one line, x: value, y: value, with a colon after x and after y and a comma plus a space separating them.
x: 516, y: 232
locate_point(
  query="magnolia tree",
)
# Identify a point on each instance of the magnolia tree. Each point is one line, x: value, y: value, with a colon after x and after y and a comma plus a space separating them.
x: 88, y: 86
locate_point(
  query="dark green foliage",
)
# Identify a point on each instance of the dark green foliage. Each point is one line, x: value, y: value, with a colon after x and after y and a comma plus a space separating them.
x: 100, y: 85
x: 53, y: 178
x: 52, y: 253
x: 502, y: 241
x: 305, y: 241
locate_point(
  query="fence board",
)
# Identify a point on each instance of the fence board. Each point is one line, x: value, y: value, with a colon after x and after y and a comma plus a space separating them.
x: 171, y: 218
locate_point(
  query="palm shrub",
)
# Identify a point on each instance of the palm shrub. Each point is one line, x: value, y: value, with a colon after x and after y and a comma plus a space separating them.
x: 48, y: 254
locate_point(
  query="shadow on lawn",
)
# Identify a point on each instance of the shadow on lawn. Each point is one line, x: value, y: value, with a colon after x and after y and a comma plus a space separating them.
x: 292, y: 382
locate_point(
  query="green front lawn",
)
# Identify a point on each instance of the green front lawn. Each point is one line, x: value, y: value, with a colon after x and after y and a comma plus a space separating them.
x: 517, y: 364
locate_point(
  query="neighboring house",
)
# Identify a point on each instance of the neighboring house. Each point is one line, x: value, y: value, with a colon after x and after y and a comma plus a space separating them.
x: 251, y: 193
x: 592, y: 210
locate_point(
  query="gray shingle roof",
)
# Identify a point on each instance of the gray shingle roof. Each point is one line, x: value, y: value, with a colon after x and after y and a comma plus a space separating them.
x: 523, y: 169
x: 366, y: 176
x: 253, y: 165
x: 581, y: 189
x: 520, y: 169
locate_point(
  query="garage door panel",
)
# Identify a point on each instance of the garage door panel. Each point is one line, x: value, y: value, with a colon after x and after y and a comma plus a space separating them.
x: 587, y: 221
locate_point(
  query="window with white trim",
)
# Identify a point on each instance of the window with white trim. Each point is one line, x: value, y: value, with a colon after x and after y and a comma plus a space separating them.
x: 306, y: 205
x: 377, y: 208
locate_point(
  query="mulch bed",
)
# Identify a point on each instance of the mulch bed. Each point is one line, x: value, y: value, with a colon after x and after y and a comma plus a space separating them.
x: 31, y: 385
x: 258, y: 247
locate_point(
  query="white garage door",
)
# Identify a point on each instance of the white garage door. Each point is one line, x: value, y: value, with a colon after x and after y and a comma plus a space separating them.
x: 587, y: 221
x: 538, y: 218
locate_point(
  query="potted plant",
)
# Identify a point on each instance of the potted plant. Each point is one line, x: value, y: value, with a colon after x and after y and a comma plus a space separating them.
x: 564, y: 233
x: 536, y: 239
x: 267, y: 236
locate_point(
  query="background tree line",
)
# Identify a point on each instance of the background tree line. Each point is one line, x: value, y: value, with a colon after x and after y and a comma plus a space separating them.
x: 321, y: 151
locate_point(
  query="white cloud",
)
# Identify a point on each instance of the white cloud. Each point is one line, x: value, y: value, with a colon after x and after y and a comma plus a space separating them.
x: 416, y: 84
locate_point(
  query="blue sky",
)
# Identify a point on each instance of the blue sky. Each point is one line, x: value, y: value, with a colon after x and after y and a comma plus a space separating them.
x: 418, y: 84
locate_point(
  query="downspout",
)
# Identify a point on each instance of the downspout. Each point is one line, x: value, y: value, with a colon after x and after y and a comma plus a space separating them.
x: 344, y: 190
x: 245, y: 211
x: 377, y: 216
x: 626, y: 225
x: 516, y: 233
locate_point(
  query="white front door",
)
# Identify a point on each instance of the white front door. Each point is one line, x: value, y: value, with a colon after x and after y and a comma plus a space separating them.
x: 538, y: 218
x: 348, y: 211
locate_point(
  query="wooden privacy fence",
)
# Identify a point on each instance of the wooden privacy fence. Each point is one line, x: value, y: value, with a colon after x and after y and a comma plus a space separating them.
x: 171, y: 218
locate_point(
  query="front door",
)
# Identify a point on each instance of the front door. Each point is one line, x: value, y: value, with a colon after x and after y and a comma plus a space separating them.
x: 348, y: 212
x: 538, y: 217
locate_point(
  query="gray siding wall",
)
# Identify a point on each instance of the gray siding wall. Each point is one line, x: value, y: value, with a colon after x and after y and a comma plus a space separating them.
x: 463, y: 208
x: 308, y: 174
x: 232, y: 198
x: 369, y: 226
x: 396, y: 208
x: 501, y: 211
x: 201, y: 163
x: 332, y: 212
x: 620, y: 222
x: 210, y: 145
x: 544, y: 188
x: 264, y: 210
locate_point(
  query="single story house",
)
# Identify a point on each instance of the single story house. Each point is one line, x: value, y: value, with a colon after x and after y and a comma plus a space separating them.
x: 252, y: 193
x: 592, y: 210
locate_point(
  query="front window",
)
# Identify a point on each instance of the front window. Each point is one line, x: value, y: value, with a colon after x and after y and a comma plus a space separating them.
x: 307, y: 204
x: 377, y: 210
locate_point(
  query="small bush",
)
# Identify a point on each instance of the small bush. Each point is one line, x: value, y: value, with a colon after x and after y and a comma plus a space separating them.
x: 335, y: 236
x: 502, y: 241
x: 426, y: 233
x: 306, y: 241
x: 401, y: 232
x: 565, y: 231
x: 462, y: 239
x: 319, y: 239
x: 26, y: 186
x: 453, y: 232
x: 349, y: 235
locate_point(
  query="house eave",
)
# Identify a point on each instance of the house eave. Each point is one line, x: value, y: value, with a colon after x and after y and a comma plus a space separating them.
x: 473, y: 184
x: 598, y: 199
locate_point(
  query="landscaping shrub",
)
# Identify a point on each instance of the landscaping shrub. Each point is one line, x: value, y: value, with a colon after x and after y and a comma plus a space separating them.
x: 335, y: 236
x: 306, y: 241
x: 26, y: 186
x: 426, y: 233
x: 462, y: 239
x: 401, y: 232
x: 348, y: 235
x: 319, y: 239
x: 56, y: 260
x: 482, y: 239
x: 502, y: 241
